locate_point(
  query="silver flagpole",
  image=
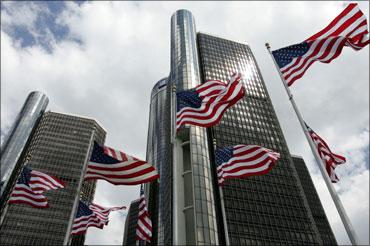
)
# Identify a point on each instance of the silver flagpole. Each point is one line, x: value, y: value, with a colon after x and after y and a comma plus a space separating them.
x: 173, y: 113
x: 346, y: 222
x: 175, y: 239
x: 227, y: 240
x: 77, y: 198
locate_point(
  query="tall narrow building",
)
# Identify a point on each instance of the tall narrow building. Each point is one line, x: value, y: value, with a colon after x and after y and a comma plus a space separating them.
x: 59, y: 145
x: 270, y: 208
x: 313, y: 199
x: 129, y: 234
x: 156, y: 153
x: 267, y: 209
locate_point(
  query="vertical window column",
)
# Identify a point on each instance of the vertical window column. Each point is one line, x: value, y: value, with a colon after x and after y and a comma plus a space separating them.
x: 188, y: 194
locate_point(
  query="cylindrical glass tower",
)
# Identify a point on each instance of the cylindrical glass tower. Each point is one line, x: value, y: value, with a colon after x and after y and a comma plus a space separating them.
x: 155, y: 154
x: 20, y: 133
x: 193, y: 196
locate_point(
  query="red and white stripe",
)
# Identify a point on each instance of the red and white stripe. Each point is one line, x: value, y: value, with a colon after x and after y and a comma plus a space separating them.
x: 99, y: 218
x: 144, y: 224
x: 330, y: 159
x: 81, y: 224
x: 247, y: 160
x: 130, y: 171
x: 116, y: 154
x: 41, y: 182
x: 32, y: 194
x: 102, y: 212
x: 26, y: 195
x: 348, y: 29
x: 216, y: 98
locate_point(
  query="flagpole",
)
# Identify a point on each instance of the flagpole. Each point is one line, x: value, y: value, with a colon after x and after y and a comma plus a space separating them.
x: 6, y: 199
x: 77, y: 197
x: 227, y: 240
x: 173, y: 113
x: 175, y: 236
x: 346, y: 222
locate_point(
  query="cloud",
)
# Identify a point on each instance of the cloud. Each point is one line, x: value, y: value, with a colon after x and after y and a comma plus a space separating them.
x: 353, y: 189
x: 33, y: 23
x: 101, y: 59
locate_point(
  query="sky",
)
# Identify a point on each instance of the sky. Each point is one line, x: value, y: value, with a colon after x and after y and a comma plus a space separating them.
x: 101, y: 60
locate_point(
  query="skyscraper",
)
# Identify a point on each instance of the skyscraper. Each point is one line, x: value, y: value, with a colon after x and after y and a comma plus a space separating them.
x: 129, y: 235
x: 156, y: 153
x: 19, y: 135
x: 267, y: 209
x: 58, y: 145
x: 313, y: 199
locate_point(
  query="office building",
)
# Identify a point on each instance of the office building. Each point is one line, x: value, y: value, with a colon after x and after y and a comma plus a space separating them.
x: 268, y: 209
x: 156, y: 152
x: 18, y: 136
x: 129, y: 235
x: 313, y: 199
x: 58, y: 145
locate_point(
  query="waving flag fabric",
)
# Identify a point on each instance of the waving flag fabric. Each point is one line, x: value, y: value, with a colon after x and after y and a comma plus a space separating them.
x: 103, y: 212
x: 144, y: 224
x: 91, y: 215
x: 205, y: 104
x: 349, y: 28
x: 30, y: 185
x: 243, y: 161
x: 330, y: 159
x: 86, y: 218
x: 118, y: 168
x: 41, y: 182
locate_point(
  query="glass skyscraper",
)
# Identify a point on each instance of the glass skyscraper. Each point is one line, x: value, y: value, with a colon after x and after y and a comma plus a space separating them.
x: 185, y: 202
x: 156, y: 152
x: 58, y: 146
x: 313, y: 199
x: 129, y: 235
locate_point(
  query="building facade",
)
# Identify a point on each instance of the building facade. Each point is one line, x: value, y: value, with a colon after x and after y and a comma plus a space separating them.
x: 129, y: 235
x: 19, y: 135
x: 267, y: 209
x: 156, y: 152
x: 58, y: 146
x: 313, y: 199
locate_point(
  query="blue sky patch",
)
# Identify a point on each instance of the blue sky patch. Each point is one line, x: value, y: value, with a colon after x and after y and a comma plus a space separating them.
x: 44, y: 31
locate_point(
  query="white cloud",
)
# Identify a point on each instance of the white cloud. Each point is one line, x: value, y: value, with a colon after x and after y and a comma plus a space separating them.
x: 20, y: 13
x: 353, y: 190
x: 28, y: 16
x: 124, y: 49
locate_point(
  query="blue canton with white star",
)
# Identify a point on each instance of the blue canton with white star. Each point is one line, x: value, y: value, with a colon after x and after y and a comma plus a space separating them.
x: 98, y: 156
x: 83, y: 210
x: 223, y: 155
x: 285, y: 55
x: 25, y: 176
x: 188, y: 98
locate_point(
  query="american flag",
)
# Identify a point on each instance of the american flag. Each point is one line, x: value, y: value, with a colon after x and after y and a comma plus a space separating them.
x: 91, y: 214
x: 349, y: 28
x: 86, y: 218
x: 205, y: 104
x: 144, y: 224
x: 103, y: 212
x: 118, y: 168
x: 30, y: 185
x: 330, y: 159
x: 243, y: 161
